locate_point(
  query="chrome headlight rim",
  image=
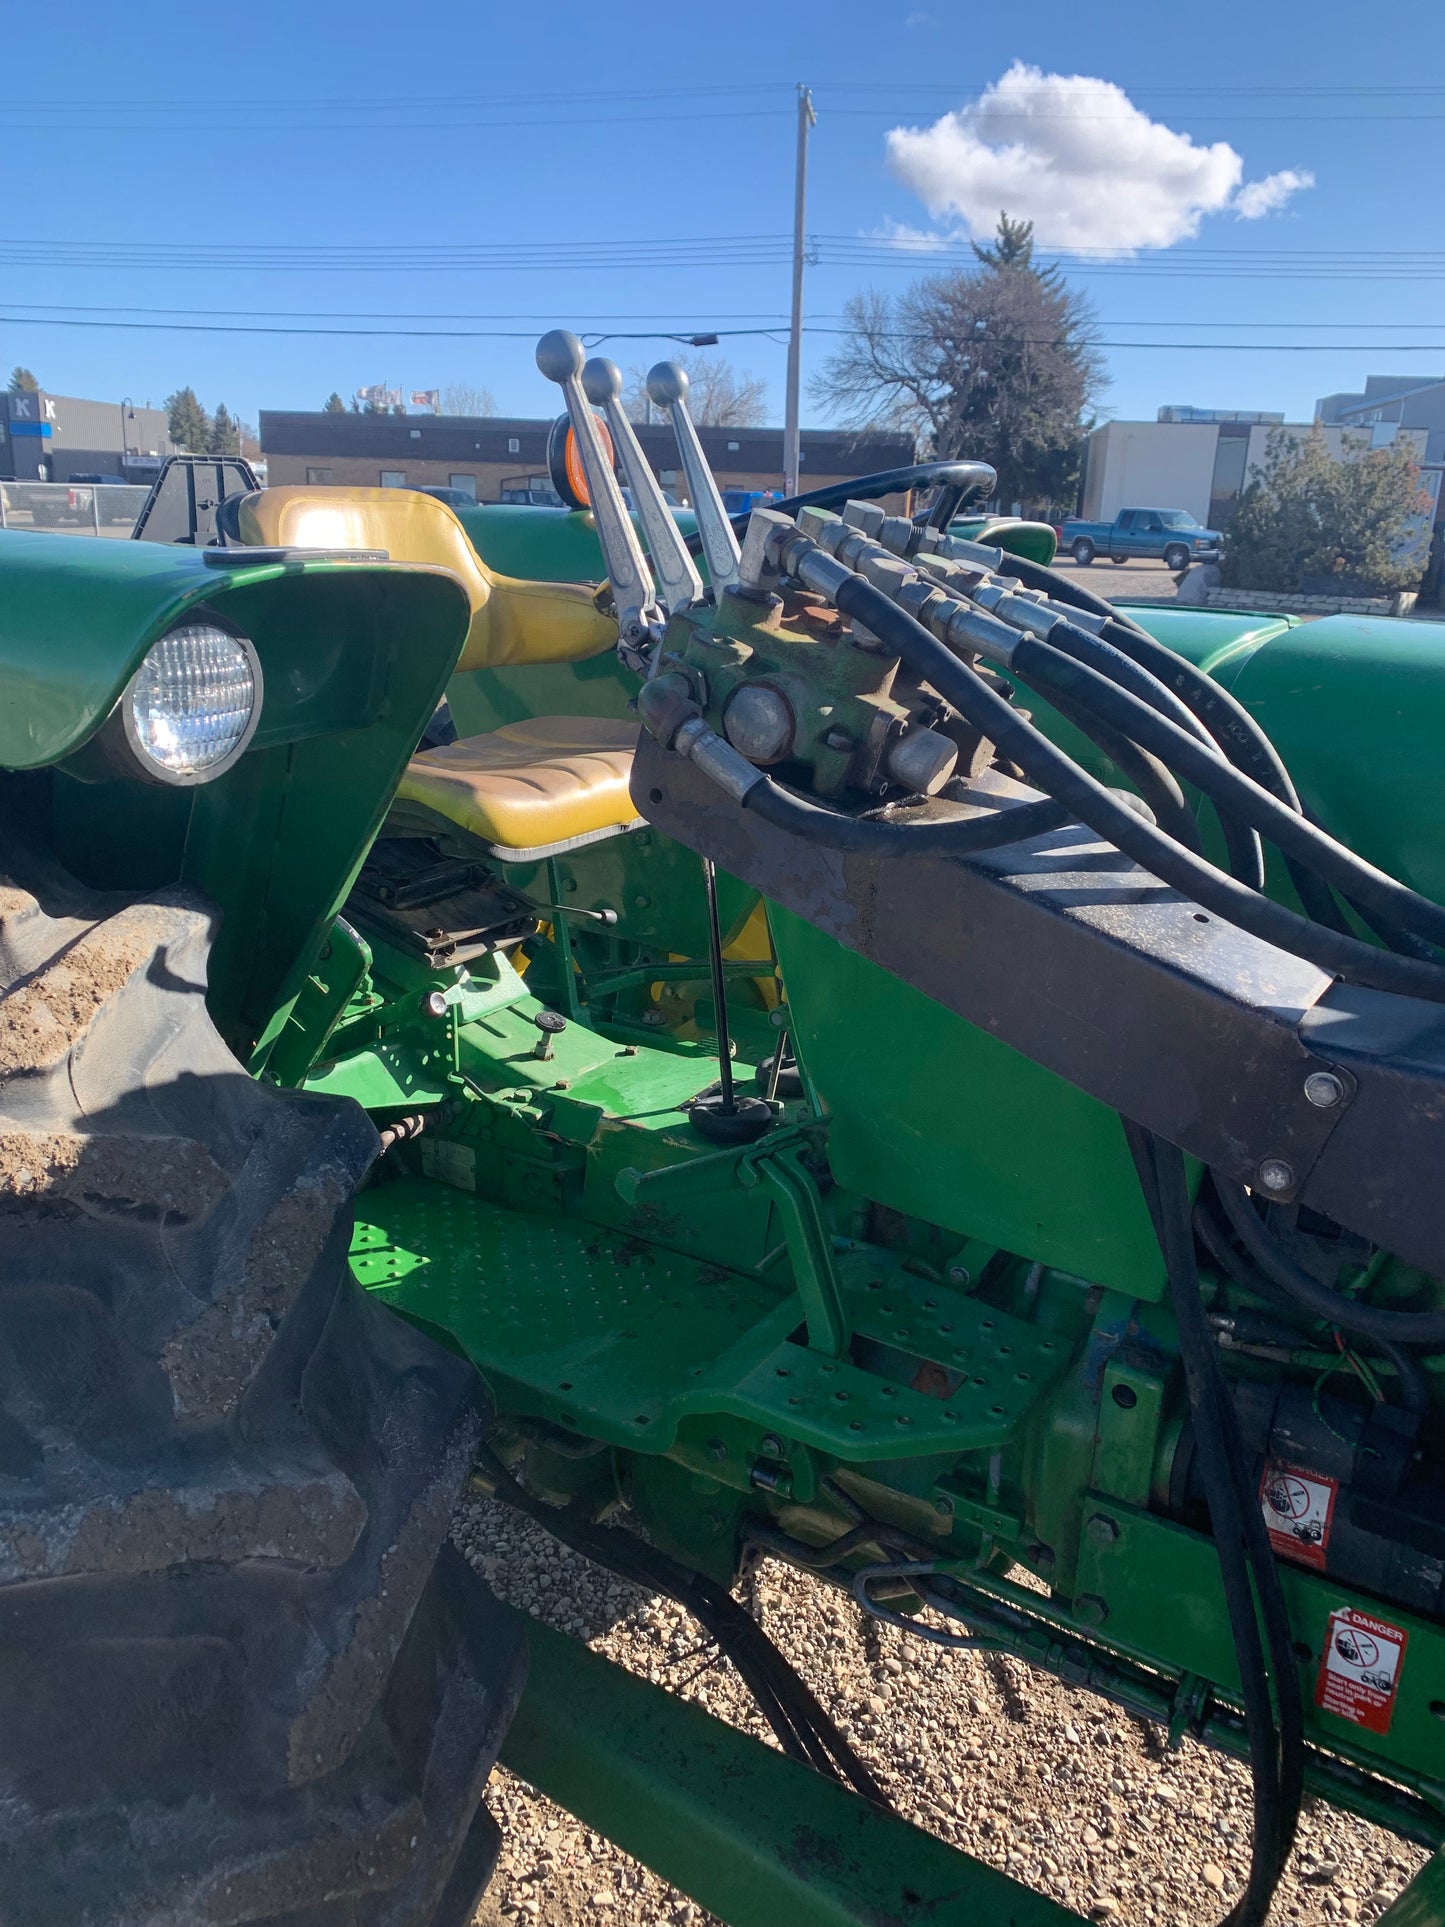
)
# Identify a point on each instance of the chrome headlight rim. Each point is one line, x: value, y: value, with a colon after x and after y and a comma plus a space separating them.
x: 129, y: 750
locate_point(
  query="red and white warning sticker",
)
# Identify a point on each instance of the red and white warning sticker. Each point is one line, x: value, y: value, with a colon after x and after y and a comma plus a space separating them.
x: 1360, y: 1669
x: 1298, y: 1508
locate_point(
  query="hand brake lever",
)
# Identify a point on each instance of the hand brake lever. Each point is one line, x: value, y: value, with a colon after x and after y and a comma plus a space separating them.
x: 668, y: 385
x: 680, y: 582
x: 639, y: 620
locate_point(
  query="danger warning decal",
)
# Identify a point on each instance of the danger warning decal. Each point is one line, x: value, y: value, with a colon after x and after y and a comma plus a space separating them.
x: 1360, y: 1669
x: 1298, y: 1507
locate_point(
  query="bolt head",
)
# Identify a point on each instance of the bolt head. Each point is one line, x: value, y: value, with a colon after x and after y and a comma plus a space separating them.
x: 560, y: 355
x: 1276, y: 1175
x: 550, y: 1021
x: 1324, y: 1089
x: 959, y: 1275
x: 434, y: 1004
x: 716, y: 1450
x: 770, y: 1445
x: 1103, y: 1530
x: 667, y: 383
x: 601, y: 381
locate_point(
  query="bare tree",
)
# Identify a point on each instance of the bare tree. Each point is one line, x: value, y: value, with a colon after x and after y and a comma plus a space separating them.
x: 997, y: 364
x: 719, y: 396
x: 461, y: 398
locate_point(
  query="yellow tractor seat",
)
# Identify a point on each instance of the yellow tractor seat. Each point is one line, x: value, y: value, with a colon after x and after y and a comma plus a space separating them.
x: 525, y: 791
x: 512, y: 621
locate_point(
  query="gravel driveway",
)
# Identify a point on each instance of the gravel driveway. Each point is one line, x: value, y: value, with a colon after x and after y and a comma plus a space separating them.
x: 1064, y: 1792
x: 1120, y: 579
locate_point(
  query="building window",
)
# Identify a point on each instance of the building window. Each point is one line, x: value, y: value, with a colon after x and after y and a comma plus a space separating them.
x: 393, y: 478
x: 317, y: 477
x: 514, y: 445
x: 733, y: 447
x: 466, y: 483
x: 415, y: 434
x: 668, y: 477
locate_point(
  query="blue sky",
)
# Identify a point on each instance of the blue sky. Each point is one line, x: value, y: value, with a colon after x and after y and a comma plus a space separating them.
x: 630, y: 168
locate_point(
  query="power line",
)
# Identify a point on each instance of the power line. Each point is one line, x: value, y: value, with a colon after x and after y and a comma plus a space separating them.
x: 677, y: 334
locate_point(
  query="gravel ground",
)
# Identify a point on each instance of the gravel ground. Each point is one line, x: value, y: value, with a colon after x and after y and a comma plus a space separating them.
x: 1059, y: 1789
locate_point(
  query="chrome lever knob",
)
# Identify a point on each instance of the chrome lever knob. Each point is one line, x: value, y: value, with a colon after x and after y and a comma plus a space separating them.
x: 667, y: 384
x: 560, y: 357
x: 679, y: 581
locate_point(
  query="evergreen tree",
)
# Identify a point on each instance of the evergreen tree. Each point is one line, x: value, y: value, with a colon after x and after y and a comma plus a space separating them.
x: 188, y: 423
x: 225, y: 435
x: 333, y: 404
x: 22, y: 382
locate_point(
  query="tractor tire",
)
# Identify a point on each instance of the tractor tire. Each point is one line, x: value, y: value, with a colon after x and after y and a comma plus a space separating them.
x: 243, y: 1678
x: 1083, y: 552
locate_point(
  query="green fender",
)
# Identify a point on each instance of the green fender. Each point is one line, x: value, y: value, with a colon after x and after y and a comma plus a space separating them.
x: 354, y: 657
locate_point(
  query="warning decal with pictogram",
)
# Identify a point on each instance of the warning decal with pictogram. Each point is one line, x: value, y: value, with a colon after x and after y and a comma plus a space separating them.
x: 1360, y: 1669
x: 1298, y: 1507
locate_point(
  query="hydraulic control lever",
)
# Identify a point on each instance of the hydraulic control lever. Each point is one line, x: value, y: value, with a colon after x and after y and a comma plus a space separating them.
x: 667, y: 384
x: 679, y: 581
x: 639, y: 620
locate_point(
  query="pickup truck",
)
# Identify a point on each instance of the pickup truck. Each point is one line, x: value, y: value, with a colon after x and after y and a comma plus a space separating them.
x: 1171, y: 534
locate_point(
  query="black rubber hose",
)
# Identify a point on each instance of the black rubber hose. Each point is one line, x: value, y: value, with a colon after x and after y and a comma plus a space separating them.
x: 1416, y: 1392
x: 1154, y: 780
x: 1049, y: 668
x: 831, y: 828
x: 1423, y: 1328
x: 804, y: 1730
x: 1223, y: 715
x: 1091, y: 803
x: 1246, y: 857
x: 1276, y: 1744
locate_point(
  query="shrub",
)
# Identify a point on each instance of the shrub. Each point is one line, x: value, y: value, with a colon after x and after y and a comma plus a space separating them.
x: 1307, y: 520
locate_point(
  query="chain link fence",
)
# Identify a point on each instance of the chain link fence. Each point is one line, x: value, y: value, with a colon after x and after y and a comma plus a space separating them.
x: 78, y: 508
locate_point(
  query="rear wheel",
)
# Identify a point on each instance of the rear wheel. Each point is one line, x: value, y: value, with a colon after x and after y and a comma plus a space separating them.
x: 242, y: 1677
x: 1083, y: 552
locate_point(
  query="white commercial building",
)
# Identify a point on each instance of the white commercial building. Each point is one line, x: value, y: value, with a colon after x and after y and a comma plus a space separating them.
x: 1198, y: 460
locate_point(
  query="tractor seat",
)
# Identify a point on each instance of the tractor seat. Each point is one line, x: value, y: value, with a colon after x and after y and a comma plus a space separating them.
x: 530, y: 789
x: 525, y: 791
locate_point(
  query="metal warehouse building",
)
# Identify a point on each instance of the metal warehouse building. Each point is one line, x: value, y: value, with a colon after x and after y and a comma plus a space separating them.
x: 486, y: 454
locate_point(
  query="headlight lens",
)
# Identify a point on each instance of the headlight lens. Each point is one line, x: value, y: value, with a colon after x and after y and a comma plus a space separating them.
x: 193, y: 703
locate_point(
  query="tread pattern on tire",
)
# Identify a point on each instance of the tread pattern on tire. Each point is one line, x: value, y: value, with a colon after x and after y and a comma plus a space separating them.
x: 242, y: 1677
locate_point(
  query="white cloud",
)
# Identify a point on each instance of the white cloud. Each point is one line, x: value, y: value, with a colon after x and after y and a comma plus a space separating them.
x: 1269, y: 195
x: 910, y: 240
x: 1079, y: 160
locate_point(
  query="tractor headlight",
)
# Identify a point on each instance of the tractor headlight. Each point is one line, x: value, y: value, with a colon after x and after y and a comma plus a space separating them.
x: 192, y: 706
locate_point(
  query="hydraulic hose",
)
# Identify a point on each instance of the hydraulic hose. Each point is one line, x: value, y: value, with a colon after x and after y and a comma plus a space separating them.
x: 1092, y: 804
x: 1375, y: 1322
x: 1049, y: 669
x: 1223, y: 715
x: 1246, y: 857
x: 1416, y: 1394
x: 787, y: 811
x: 804, y: 1729
x: 1247, y: 1567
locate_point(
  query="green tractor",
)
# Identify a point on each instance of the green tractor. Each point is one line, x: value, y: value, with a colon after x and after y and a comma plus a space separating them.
x: 821, y: 1037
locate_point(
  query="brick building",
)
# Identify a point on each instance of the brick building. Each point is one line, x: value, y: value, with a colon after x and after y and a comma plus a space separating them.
x: 487, y: 454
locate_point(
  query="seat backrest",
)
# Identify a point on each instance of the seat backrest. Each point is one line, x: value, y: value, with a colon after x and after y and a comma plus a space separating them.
x: 512, y: 621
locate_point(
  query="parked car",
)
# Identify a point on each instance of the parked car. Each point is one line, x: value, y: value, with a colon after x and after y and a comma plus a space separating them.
x: 1170, y: 534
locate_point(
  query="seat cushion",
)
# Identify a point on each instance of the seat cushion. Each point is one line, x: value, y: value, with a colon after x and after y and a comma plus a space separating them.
x: 527, y: 788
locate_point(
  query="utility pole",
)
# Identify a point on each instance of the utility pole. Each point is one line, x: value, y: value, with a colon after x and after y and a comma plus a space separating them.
x: 806, y: 119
